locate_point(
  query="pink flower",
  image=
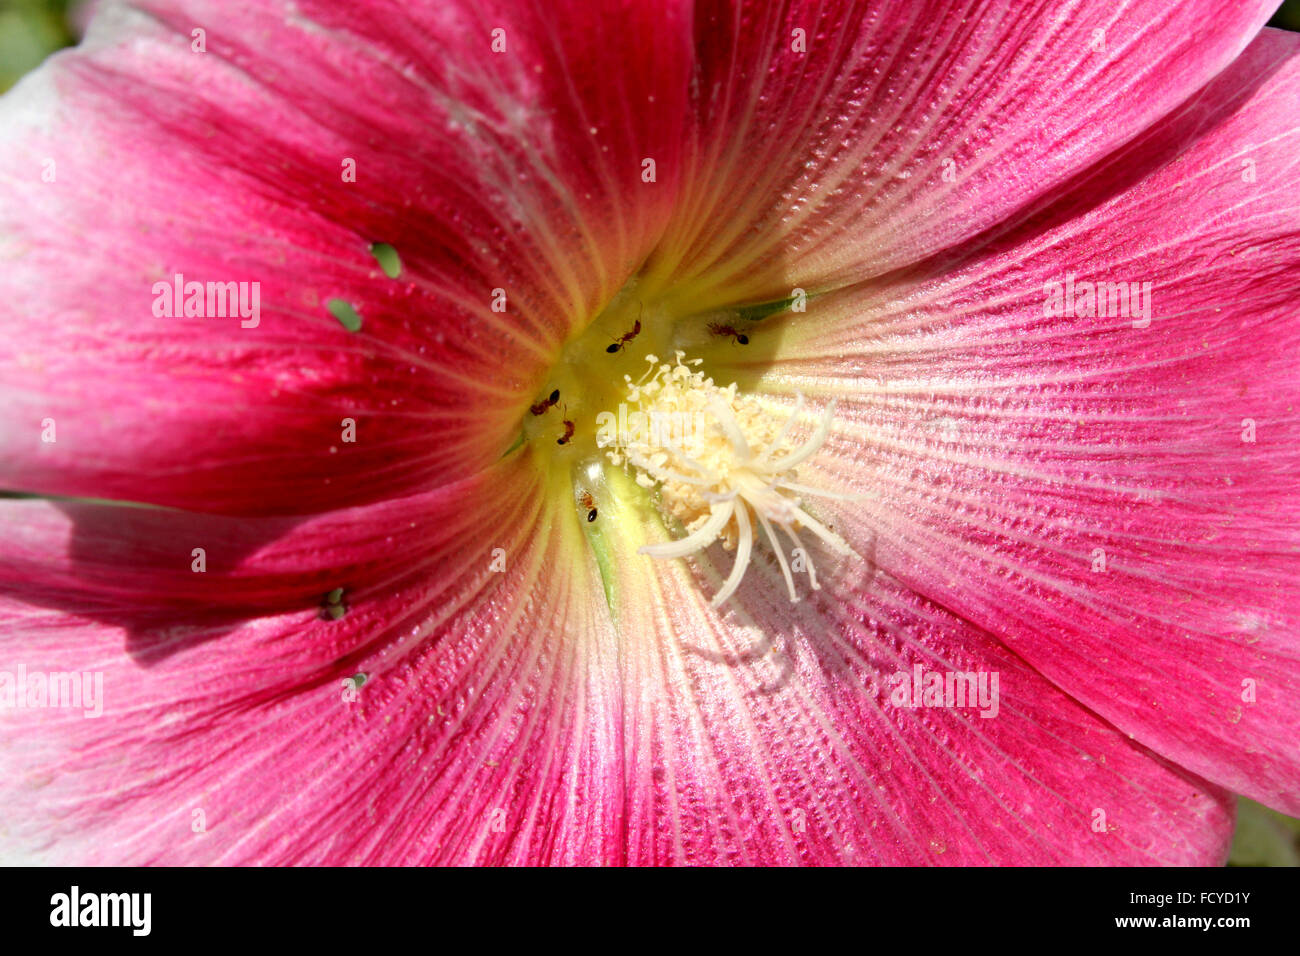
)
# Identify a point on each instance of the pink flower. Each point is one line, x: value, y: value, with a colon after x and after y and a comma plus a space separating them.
x: 376, y: 610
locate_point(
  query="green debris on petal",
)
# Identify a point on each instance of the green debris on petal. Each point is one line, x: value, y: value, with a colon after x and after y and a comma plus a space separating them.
x: 753, y: 313
x: 600, y: 548
x: 359, y: 679
x: 517, y: 443
x: 387, y: 258
x: 345, y: 313
x: 332, y: 606
x: 623, y: 505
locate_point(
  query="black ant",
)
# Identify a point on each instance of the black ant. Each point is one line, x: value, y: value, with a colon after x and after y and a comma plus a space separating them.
x: 719, y: 329
x: 568, y: 430
x: 539, y: 408
x: 626, y: 336
x: 590, y: 503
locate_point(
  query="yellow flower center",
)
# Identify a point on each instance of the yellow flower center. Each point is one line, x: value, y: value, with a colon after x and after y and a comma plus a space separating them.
x: 720, y: 463
x: 717, y: 463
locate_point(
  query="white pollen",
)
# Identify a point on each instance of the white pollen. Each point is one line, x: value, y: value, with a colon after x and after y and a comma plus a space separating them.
x: 723, y: 467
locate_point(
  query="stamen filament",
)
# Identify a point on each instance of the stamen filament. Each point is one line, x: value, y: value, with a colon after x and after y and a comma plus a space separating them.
x: 780, y: 557
x: 701, y: 538
x: 810, y: 447
x: 743, y: 547
x: 713, y: 476
x: 766, y: 458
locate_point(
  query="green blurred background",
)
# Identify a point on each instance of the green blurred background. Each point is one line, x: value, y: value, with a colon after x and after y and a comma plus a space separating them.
x: 32, y: 29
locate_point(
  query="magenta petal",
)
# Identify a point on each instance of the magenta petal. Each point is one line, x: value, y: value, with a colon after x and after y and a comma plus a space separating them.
x: 1114, y: 499
x: 229, y: 165
x: 502, y: 720
x: 476, y: 700
x: 227, y: 695
x: 770, y: 736
x: 905, y: 128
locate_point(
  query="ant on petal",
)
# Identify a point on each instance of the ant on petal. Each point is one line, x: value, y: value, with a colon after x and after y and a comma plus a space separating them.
x: 626, y: 336
x: 539, y: 408
x: 739, y: 337
x: 568, y: 430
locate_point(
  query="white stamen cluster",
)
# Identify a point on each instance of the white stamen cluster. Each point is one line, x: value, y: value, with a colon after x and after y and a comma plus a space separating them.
x: 721, y: 463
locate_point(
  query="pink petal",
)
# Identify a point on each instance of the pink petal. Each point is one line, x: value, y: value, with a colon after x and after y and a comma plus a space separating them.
x: 242, y: 716
x: 738, y: 729
x: 505, y: 721
x: 519, y: 171
x: 827, y: 167
x: 800, y: 716
x: 508, y: 719
x: 1116, y: 503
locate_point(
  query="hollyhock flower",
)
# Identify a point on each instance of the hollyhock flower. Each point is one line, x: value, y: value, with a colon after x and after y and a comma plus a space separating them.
x: 327, y: 330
